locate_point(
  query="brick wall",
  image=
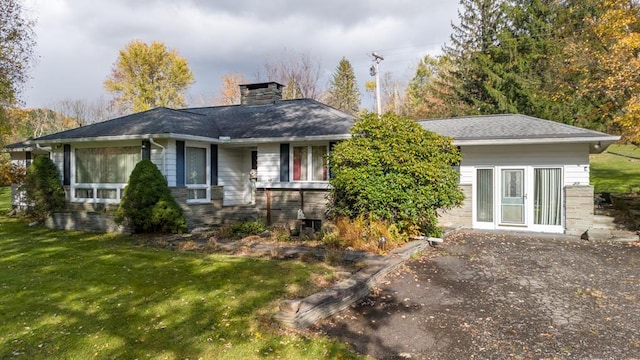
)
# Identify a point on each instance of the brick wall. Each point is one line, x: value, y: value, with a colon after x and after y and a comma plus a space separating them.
x: 461, y: 216
x: 578, y: 208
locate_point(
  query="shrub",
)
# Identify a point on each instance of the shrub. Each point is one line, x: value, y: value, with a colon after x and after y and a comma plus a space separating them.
x: 363, y: 233
x: 44, y: 192
x: 245, y: 228
x: 147, y: 203
x: 395, y: 170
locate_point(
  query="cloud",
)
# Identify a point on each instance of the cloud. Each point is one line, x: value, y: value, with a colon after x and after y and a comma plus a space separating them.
x: 79, y: 40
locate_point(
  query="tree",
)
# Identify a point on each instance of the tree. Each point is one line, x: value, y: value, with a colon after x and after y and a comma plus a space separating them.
x: 147, y: 202
x: 44, y: 192
x: 603, y: 66
x: 147, y: 76
x: 84, y: 112
x: 500, y: 56
x: 16, y: 52
x: 343, y: 93
x: 393, y: 169
x: 230, y: 90
x: 392, y: 96
x: 298, y: 72
x: 426, y: 90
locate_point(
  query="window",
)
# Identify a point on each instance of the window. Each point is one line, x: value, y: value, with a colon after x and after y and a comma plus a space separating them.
x: 310, y: 163
x: 484, y: 195
x: 106, y: 165
x: 547, y: 195
x: 196, y: 173
x: 102, y: 173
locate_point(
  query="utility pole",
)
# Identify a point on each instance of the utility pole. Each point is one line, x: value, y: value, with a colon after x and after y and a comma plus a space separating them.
x: 375, y: 71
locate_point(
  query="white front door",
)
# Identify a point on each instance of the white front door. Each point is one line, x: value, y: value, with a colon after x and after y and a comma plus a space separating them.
x: 512, y: 196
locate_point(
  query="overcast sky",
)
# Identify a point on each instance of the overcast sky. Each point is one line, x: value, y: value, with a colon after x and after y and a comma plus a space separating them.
x: 78, y: 40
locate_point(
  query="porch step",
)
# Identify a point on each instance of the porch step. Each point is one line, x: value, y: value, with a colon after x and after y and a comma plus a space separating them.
x: 603, y: 222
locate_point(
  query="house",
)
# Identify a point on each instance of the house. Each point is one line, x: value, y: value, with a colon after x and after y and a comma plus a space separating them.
x: 522, y: 173
x: 266, y: 158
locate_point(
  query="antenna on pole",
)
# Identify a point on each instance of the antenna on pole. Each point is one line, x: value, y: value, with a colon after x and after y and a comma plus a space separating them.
x: 375, y: 71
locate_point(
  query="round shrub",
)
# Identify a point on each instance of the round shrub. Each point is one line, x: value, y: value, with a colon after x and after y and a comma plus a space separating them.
x: 44, y: 192
x: 147, y: 204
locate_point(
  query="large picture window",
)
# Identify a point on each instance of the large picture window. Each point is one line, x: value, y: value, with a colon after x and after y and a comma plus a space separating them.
x: 102, y: 173
x: 310, y: 163
x: 105, y: 165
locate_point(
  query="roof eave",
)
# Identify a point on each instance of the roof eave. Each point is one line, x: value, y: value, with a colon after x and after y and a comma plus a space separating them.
x: 606, y: 139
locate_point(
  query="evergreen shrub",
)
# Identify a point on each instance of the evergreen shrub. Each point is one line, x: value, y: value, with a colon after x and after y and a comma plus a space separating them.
x: 147, y: 204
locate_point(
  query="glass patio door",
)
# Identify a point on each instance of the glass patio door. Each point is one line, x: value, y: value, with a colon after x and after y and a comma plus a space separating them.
x: 512, y: 197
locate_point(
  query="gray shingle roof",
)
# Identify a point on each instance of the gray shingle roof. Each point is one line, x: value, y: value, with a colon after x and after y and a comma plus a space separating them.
x: 289, y: 118
x: 154, y: 121
x: 507, y: 126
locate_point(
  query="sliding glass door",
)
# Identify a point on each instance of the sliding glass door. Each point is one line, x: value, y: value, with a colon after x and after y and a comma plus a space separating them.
x: 547, y: 196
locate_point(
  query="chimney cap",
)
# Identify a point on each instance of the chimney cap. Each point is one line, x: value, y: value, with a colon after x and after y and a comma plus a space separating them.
x: 262, y: 85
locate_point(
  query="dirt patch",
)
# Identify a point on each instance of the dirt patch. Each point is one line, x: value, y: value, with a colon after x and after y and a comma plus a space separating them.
x: 496, y: 295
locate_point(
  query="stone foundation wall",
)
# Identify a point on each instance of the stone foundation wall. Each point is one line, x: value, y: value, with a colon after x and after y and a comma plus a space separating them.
x: 460, y: 217
x: 280, y: 206
x: 578, y: 202
x: 85, y: 221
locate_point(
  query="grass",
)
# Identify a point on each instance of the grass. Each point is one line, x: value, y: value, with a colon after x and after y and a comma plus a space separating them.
x: 79, y: 295
x: 616, y: 170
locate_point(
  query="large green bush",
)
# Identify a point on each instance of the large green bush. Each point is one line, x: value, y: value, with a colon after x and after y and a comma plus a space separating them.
x: 393, y: 169
x: 147, y: 203
x: 44, y: 192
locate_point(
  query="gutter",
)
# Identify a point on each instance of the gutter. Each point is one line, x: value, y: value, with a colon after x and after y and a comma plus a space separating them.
x: 164, y: 155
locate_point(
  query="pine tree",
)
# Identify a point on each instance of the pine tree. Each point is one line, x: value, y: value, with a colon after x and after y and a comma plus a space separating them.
x: 343, y: 91
x: 501, y: 55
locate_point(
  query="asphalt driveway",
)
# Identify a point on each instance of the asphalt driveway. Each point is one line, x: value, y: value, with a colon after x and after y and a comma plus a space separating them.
x: 503, y: 296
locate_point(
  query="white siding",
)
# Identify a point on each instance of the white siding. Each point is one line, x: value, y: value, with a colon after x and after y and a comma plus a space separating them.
x: 171, y: 162
x: 268, y: 163
x: 158, y: 156
x: 574, y: 158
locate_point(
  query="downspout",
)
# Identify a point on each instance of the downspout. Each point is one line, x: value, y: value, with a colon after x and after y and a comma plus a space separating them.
x: 164, y: 155
x: 43, y: 148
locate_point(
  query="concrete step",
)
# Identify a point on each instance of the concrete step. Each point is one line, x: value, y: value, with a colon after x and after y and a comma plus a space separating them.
x: 613, y: 234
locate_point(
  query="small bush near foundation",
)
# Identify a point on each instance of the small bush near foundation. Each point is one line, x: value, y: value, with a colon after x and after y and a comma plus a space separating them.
x: 43, y: 189
x: 249, y: 228
x: 241, y: 229
x: 148, y: 205
x: 363, y: 233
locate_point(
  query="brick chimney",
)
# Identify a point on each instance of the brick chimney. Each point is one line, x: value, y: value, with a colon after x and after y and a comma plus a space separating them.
x: 260, y: 93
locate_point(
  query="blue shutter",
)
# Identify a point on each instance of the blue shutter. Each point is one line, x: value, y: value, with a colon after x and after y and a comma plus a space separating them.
x: 214, y: 164
x: 180, y: 163
x: 146, y: 150
x: 28, y: 158
x: 284, y: 162
x: 66, y: 165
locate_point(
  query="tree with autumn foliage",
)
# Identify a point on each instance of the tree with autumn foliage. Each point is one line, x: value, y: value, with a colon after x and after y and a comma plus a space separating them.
x: 230, y: 90
x: 147, y: 76
x: 16, y: 52
x: 602, y: 62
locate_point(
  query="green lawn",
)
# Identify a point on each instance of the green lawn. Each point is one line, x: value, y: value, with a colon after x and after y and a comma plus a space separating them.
x: 78, y: 296
x: 616, y: 170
